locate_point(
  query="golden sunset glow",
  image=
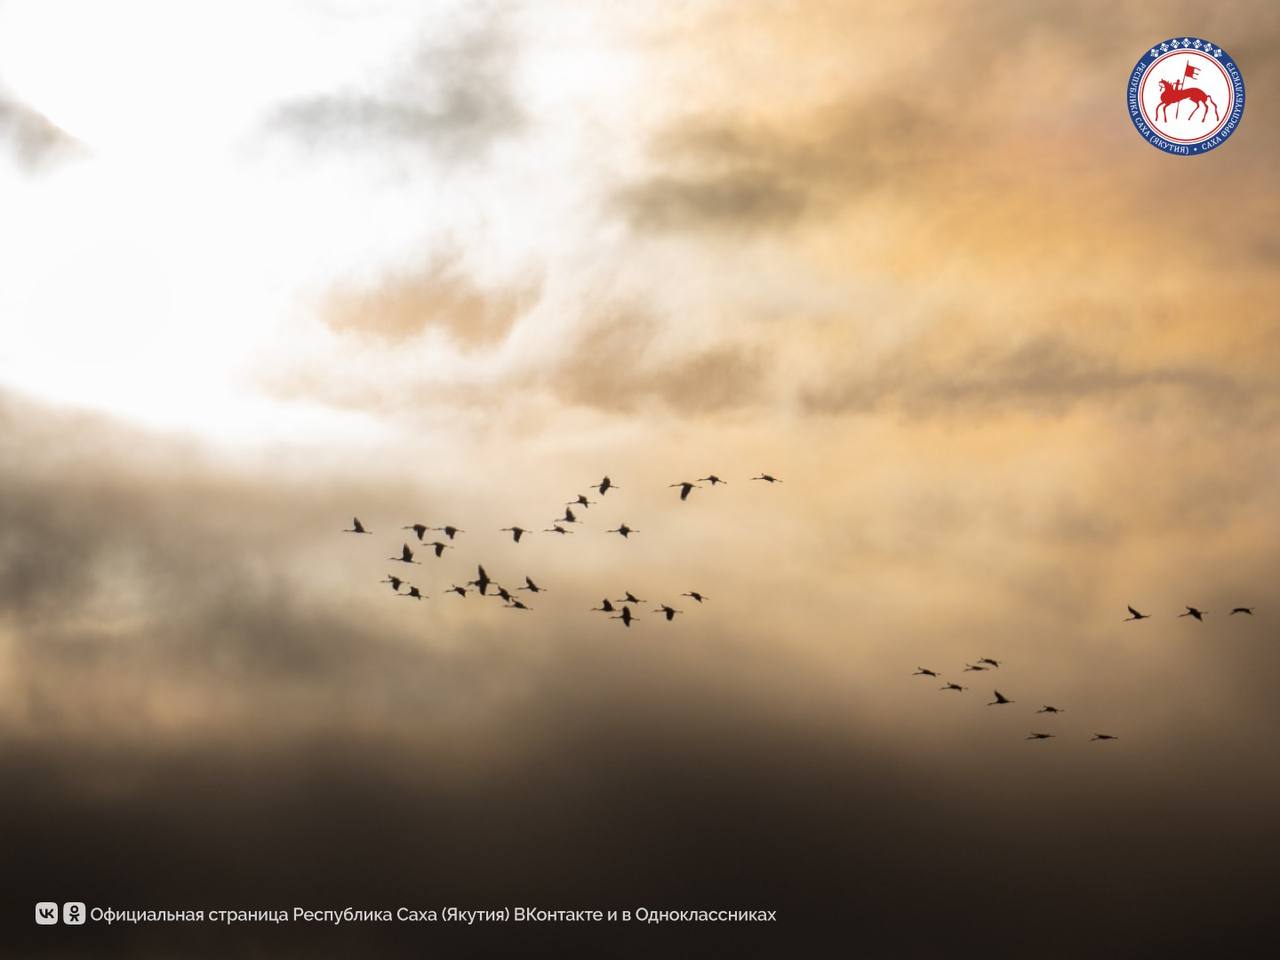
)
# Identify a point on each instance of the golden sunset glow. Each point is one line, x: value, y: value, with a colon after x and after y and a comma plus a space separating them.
x: 271, y: 265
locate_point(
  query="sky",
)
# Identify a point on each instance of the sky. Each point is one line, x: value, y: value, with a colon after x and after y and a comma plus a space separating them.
x: 266, y: 266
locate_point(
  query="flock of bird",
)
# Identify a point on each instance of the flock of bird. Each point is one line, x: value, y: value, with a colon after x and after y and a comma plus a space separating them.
x: 987, y: 663
x: 619, y: 609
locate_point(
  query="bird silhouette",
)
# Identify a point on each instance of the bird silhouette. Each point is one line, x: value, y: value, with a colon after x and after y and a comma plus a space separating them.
x: 504, y: 593
x: 582, y: 501
x: 711, y: 479
x: 1040, y: 736
x: 357, y: 527
x: 1193, y: 612
x: 765, y: 476
x: 481, y: 582
x: 625, y: 617
x: 556, y: 528
x: 569, y: 516
x: 1048, y: 709
x: 449, y: 530
x: 629, y: 597
x: 1000, y: 698
x: 1135, y: 615
x: 418, y: 528
x: 695, y: 594
x: 516, y: 605
x: 668, y: 612
x: 1104, y: 736
x: 972, y: 666
x: 439, y: 548
x: 624, y: 530
x: 413, y: 593
x: 394, y: 581
x: 406, y: 556
x: 460, y: 591
x: 605, y: 606
x: 994, y: 663
x: 685, y: 486
x: 953, y: 686
x: 923, y: 672
x: 606, y: 485
x: 532, y: 587
x: 516, y: 532
x: 1248, y: 610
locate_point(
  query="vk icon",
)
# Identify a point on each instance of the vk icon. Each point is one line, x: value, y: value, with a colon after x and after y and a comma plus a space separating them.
x: 73, y: 912
x: 46, y: 912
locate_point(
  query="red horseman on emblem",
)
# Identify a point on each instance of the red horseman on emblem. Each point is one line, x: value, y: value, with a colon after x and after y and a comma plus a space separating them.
x: 1175, y: 93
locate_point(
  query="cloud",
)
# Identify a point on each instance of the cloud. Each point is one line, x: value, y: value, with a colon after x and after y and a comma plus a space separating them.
x: 441, y: 297
x: 454, y: 96
x: 35, y: 142
x: 1045, y: 374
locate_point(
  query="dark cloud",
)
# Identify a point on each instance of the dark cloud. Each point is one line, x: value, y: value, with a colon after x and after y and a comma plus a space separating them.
x: 1045, y: 375
x: 455, y: 96
x: 209, y: 703
x: 34, y: 141
x: 440, y: 297
x: 721, y: 173
x: 614, y: 365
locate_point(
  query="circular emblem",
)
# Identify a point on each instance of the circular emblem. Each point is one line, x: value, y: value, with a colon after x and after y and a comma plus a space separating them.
x: 1186, y: 96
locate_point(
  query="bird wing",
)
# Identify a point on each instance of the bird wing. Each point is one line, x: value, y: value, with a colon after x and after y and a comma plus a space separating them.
x: 1134, y: 612
x: 406, y: 553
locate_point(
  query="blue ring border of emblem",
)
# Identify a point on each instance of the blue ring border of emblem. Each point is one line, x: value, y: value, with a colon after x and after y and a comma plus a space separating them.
x: 1186, y: 149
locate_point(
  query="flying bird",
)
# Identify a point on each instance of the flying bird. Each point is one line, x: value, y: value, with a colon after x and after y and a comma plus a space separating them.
x: 357, y: 527
x: 1248, y: 610
x: 504, y: 593
x: 1193, y: 612
x: 1048, y: 709
x: 1040, y: 736
x: 481, y: 583
x: 460, y: 591
x: 953, y: 686
x: 629, y: 597
x: 711, y: 479
x: 516, y: 532
x: 765, y: 476
x: 532, y: 587
x: 568, y: 517
x: 994, y: 663
x: 972, y: 666
x: 625, y: 617
x: 605, y: 606
x: 624, y: 530
x: 439, y: 548
x: 695, y: 594
x: 418, y: 528
x: 413, y: 593
x: 922, y: 672
x: 449, y: 530
x: 669, y: 612
x: 582, y: 501
x: 516, y: 605
x: 606, y: 485
x: 406, y: 556
x: 1104, y: 736
x: 556, y: 528
x: 685, y: 486
x: 1135, y: 615
x: 1000, y: 698
x: 394, y: 581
